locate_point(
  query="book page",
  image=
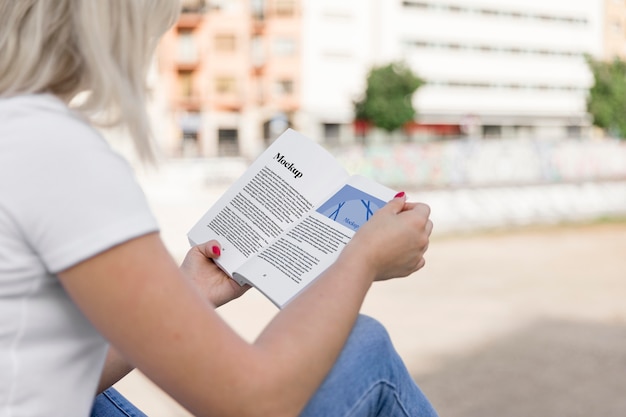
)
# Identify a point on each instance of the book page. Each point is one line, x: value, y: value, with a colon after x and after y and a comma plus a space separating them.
x: 305, y: 250
x: 283, y: 184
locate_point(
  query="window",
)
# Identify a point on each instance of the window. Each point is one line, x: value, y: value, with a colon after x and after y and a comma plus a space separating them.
x: 190, y: 127
x: 228, y: 142
x: 283, y: 87
x: 489, y: 12
x: 225, y: 5
x: 257, y: 51
x: 574, y: 131
x: 186, y: 47
x: 458, y: 9
x: 284, y: 46
x: 285, y: 8
x: 258, y: 9
x: 189, y: 147
x: 185, y: 83
x: 415, y: 4
x: 332, y: 133
x: 492, y: 131
x: 225, y: 85
x: 225, y: 42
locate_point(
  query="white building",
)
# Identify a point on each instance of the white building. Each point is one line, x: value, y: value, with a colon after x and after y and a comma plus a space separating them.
x: 495, y: 68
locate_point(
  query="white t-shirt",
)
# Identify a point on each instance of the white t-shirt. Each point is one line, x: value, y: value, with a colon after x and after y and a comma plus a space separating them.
x: 64, y: 197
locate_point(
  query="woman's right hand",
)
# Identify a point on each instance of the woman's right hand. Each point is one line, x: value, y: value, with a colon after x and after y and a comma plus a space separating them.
x: 393, y: 242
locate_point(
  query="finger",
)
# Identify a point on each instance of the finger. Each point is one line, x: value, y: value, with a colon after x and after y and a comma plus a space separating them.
x: 409, y: 205
x: 420, y: 208
x: 429, y: 227
x: 211, y: 249
x: 420, y: 264
x: 396, y: 205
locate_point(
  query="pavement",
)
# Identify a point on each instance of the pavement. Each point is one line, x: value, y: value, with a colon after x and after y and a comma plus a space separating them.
x: 520, y: 310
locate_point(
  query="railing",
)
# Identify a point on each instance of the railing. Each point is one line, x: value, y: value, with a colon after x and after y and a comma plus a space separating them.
x: 193, y: 6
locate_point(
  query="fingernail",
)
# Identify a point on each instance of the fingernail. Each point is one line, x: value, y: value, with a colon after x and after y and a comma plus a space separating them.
x: 216, y: 250
x: 400, y: 194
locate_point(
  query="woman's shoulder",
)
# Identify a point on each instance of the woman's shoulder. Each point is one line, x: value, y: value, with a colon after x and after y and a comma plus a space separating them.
x: 41, y: 131
x: 46, y: 121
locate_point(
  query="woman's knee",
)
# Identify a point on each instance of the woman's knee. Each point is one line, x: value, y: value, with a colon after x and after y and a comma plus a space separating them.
x: 370, y: 340
x: 369, y: 374
x: 370, y: 329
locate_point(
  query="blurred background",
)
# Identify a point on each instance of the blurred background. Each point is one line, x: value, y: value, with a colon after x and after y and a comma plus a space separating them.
x: 506, y: 116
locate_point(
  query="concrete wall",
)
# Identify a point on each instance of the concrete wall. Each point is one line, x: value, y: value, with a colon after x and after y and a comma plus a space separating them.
x: 479, y: 163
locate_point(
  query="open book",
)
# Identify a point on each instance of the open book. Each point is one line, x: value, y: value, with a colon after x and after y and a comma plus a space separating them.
x: 287, y: 218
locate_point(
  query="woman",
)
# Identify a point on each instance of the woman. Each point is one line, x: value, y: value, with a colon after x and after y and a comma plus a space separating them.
x: 82, y: 264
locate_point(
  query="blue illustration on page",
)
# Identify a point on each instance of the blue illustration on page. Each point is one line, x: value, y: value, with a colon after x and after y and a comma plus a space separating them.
x: 350, y: 207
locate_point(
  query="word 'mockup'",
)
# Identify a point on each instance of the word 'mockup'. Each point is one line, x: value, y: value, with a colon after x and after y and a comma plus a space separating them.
x: 289, y: 165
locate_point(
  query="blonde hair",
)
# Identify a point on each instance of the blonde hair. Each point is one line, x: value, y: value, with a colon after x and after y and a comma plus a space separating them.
x: 99, y: 47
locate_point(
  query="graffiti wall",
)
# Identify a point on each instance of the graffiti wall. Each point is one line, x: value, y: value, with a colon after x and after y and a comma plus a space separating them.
x: 475, y: 163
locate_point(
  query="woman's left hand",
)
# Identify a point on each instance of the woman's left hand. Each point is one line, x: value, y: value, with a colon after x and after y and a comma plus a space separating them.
x: 209, y: 279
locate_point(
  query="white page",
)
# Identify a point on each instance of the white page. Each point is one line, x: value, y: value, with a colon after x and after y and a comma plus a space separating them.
x: 286, y: 181
x: 290, y: 263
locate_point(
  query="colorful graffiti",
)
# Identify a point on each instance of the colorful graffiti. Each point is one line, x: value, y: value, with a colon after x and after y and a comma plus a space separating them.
x: 471, y: 163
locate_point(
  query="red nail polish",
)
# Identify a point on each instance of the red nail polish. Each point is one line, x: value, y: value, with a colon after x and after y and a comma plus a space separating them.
x: 216, y: 250
x: 400, y: 194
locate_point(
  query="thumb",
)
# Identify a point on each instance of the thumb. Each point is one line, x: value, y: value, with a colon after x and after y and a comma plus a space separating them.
x: 397, y: 204
x: 210, y: 249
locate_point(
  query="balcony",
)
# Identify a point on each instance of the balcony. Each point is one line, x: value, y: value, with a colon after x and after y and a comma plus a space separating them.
x: 257, y: 70
x: 193, y: 6
x: 227, y: 102
x: 189, y: 21
x: 187, y: 66
x: 258, y: 25
x: 191, y: 14
x: 191, y: 103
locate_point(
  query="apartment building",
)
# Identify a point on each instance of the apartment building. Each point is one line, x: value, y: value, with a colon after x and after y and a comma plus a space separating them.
x: 614, y: 29
x: 508, y: 68
x: 238, y: 71
x: 232, y: 73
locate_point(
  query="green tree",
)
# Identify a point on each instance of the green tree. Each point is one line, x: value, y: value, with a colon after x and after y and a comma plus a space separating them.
x: 607, y: 98
x: 387, y: 102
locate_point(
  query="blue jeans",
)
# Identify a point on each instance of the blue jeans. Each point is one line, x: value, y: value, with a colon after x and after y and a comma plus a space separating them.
x: 369, y: 379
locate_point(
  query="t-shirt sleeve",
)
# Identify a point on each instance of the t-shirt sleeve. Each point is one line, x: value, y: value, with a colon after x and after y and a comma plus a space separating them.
x: 75, y: 196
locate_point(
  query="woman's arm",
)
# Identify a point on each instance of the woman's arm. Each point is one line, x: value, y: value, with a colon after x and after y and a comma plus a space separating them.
x: 136, y: 296
x: 212, y: 283
x: 115, y: 368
